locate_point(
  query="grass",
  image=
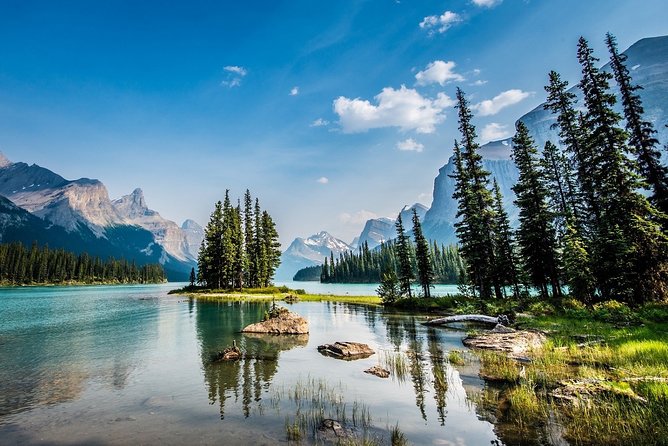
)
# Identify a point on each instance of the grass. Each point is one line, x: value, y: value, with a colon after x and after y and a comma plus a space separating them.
x: 269, y: 294
x: 614, y: 377
x: 396, y: 362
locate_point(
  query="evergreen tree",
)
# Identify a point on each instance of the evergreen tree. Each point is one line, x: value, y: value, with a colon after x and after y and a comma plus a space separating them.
x: 258, y: 247
x: 404, y: 259
x: 630, y: 248
x: 193, y: 277
x: 576, y: 264
x: 210, y: 260
x: 271, y: 249
x: 239, y: 257
x: 642, y: 136
x: 561, y: 188
x: 535, y: 235
x: 475, y: 231
x: 424, y: 264
x: 389, y: 290
x: 507, y: 265
x: 250, y: 269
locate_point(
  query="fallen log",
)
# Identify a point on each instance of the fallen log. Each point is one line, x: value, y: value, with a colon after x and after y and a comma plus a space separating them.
x: 463, y: 318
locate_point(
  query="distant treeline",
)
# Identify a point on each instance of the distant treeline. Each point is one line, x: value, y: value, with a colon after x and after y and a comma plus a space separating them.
x: 21, y: 265
x: 367, y: 266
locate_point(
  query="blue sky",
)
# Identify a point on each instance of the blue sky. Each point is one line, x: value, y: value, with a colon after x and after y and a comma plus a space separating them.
x: 330, y: 111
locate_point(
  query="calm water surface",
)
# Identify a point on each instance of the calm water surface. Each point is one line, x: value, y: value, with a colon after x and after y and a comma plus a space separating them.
x: 132, y: 365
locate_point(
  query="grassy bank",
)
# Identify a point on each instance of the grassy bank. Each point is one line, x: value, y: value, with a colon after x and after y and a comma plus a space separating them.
x: 602, y: 381
x: 271, y: 293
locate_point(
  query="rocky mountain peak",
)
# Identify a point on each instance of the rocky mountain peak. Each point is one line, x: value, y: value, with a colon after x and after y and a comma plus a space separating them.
x: 4, y: 161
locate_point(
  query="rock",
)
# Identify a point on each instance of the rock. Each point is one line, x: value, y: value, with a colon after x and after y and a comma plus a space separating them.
x: 332, y: 428
x: 285, y: 322
x: 515, y: 343
x: 502, y: 329
x: 346, y: 350
x: 229, y: 354
x: 378, y: 371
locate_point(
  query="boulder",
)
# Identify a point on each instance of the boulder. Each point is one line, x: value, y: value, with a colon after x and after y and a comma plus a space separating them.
x: 515, y: 342
x: 284, y: 322
x: 346, y: 350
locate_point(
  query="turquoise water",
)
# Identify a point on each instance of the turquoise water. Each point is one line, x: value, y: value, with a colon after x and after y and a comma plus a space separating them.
x: 132, y: 365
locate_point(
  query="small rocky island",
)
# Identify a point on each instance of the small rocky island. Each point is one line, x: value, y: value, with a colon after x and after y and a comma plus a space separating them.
x: 346, y: 350
x: 279, y: 321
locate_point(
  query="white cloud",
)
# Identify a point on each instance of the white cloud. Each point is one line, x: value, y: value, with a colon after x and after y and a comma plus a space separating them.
x: 440, y: 23
x: 494, y: 131
x: 492, y: 106
x: 294, y: 91
x: 410, y: 145
x: 404, y: 108
x: 478, y: 83
x: 438, y: 72
x: 234, y: 75
x: 477, y: 71
x: 322, y: 180
x: 356, y: 218
x: 444, y: 101
x: 486, y: 3
x: 320, y: 123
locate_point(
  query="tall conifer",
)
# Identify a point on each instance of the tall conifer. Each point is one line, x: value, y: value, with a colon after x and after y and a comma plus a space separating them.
x: 405, y: 272
x: 424, y: 264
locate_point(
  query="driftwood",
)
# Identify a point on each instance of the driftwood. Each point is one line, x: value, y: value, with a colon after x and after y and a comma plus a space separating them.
x: 464, y: 318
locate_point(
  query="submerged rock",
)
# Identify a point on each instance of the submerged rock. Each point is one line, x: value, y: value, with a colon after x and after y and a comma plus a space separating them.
x: 283, y: 322
x: 332, y: 430
x: 229, y: 354
x: 378, y: 371
x: 346, y: 350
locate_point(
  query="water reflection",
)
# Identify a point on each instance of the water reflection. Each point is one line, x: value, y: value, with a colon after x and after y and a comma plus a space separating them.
x: 218, y: 325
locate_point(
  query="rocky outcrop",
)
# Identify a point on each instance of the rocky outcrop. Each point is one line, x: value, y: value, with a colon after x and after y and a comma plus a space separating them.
x: 516, y: 343
x: 346, y: 350
x: 285, y: 322
x: 194, y: 235
x: 133, y: 209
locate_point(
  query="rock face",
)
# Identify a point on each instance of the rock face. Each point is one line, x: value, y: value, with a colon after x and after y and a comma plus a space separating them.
x: 380, y: 230
x: 346, y: 350
x: 285, y: 323
x: 194, y: 234
x: 132, y: 208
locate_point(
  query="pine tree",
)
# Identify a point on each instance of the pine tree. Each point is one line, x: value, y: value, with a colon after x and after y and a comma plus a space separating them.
x: 210, y: 258
x: 424, y: 264
x: 404, y: 259
x: 642, y: 136
x: 535, y: 235
x: 475, y: 234
x: 561, y: 186
x: 193, y: 277
x: 507, y: 265
x: 250, y: 269
x: 629, y: 249
x: 239, y: 257
x: 258, y: 247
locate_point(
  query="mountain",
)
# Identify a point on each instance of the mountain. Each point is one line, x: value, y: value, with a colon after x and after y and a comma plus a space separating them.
x: 132, y: 208
x: 308, y: 252
x: 194, y: 234
x: 380, y: 230
x: 648, y: 64
x: 439, y: 220
x: 79, y: 216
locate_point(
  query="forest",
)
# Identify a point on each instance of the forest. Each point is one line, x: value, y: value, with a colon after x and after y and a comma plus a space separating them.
x: 20, y: 265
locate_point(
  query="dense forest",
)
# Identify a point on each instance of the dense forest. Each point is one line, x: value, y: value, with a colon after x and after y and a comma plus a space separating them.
x: 368, y: 266
x: 584, y: 220
x: 20, y: 265
x: 240, y: 247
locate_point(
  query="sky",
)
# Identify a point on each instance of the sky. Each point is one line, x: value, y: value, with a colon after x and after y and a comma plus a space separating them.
x: 331, y: 112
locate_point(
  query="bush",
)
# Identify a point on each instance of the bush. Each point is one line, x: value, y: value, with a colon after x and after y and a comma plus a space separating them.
x: 541, y: 308
x: 575, y: 308
x: 655, y: 312
x: 614, y: 312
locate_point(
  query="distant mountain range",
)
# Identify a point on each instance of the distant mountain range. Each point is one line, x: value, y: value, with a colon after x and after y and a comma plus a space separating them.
x: 648, y: 62
x: 37, y: 204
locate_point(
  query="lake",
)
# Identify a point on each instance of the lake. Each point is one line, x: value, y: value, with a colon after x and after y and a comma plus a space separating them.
x: 359, y: 289
x: 132, y: 365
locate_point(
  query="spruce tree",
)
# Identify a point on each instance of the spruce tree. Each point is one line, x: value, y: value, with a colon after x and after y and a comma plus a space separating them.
x: 642, y: 136
x: 507, y: 265
x: 535, y: 236
x: 561, y: 186
x: 239, y: 259
x: 271, y: 249
x: 193, y: 277
x: 249, y: 235
x: 405, y: 272
x: 477, y: 243
x: 259, y: 257
x: 424, y: 265
x: 210, y: 259
x: 630, y: 248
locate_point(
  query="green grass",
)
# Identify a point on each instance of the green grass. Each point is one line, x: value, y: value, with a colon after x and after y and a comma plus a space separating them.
x: 271, y: 294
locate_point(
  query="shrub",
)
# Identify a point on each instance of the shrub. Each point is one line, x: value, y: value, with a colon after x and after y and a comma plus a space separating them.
x: 574, y: 308
x: 541, y: 308
x: 614, y: 312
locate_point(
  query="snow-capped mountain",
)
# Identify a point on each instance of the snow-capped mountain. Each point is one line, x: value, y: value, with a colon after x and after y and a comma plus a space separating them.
x: 194, y: 234
x: 308, y: 252
x: 380, y: 230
